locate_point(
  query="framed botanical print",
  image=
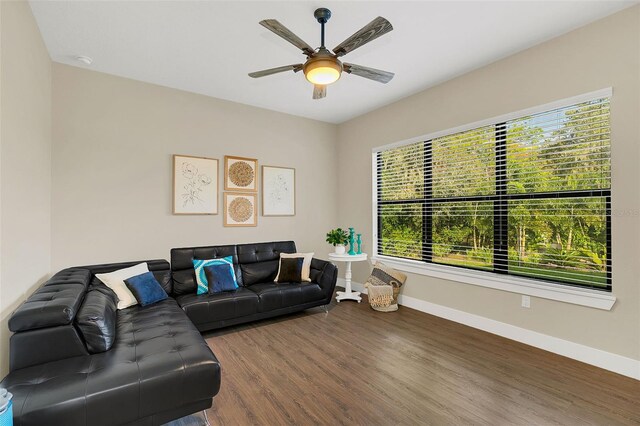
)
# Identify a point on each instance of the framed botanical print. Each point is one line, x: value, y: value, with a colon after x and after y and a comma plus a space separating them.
x: 195, y: 185
x: 278, y: 191
x: 240, y: 209
x: 240, y: 174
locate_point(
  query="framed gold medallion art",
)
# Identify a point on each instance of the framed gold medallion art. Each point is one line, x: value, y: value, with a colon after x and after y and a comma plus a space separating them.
x: 240, y: 174
x: 240, y: 209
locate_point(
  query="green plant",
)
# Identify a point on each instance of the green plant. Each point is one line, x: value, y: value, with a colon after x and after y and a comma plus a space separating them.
x: 593, y: 260
x: 337, y: 236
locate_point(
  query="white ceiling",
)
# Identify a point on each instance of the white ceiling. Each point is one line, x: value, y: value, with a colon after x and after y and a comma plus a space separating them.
x: 208, y: 47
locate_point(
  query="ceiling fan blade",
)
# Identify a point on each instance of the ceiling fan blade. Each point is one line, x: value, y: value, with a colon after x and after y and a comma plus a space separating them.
x: 366, y: 72
x: 319, y: 91
x: 264, y: 73
x: 371, y: 31
x: 287, y: 34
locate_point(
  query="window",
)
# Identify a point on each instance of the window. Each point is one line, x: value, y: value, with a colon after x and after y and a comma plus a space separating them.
x: 527, y: 196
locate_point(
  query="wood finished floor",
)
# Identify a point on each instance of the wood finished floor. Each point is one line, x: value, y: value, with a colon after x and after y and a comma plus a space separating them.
x: 359, y: 367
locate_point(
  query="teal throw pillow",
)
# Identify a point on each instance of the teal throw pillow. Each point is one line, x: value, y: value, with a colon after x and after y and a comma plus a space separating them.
x: 201, y: 276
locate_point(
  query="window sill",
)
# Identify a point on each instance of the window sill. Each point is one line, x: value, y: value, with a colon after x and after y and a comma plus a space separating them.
x: 577, y: 296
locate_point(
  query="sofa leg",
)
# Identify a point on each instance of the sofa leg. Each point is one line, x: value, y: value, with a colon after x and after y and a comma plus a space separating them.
x: 326, y: 308
x: 206, y: 419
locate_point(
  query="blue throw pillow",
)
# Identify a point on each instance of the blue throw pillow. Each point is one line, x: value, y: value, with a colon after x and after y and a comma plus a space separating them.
x: 201, y: 276
x: 220, y: 278
x: 146, y: 289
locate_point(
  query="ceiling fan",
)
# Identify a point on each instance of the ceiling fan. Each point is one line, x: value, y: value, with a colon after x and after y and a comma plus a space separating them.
x: 323, y: 67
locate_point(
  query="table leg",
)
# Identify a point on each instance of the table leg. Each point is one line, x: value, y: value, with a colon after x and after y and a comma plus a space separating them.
x: 347, y: 294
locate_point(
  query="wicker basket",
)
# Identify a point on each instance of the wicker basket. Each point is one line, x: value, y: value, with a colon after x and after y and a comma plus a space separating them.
x: 384, y: 286
x: 387, y: 302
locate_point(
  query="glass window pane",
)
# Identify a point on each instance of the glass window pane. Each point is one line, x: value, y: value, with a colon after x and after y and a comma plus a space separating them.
x: 561, y: 239
x: 556, y: 238
x: 562, y: 150
x: 401, y: 230
x: 463, y: 234
x: 401, y: 173
x: 464, y: 163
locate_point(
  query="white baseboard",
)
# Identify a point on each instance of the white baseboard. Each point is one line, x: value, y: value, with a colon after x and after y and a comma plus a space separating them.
x: 599, y: 358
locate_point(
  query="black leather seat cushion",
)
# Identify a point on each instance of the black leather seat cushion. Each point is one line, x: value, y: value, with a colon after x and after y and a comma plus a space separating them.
x: 206, y: 308
x: 97, y: 318
x: 158, y: 362
x: 259, y: 272
x: 282, y: 295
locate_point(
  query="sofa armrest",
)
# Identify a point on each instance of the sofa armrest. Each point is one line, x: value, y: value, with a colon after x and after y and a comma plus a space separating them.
x: 325, y: 274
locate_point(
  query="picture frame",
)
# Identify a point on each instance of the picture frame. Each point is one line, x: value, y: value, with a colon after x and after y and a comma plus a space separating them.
x: 278, y: 191
x: 240, y: 174
x: 195, y: 185
x: 240, y: 209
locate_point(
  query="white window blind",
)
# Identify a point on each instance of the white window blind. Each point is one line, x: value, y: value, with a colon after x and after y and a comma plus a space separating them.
x: 527, y: 196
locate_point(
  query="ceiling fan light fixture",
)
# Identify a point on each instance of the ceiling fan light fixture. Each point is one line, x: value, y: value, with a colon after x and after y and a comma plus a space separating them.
x: 323, y: 70
x: 323, y: 66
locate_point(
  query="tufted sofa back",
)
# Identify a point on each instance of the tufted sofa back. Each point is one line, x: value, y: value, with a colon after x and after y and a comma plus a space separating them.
x: 159, y: 267
x: 43, y: 325
x: 259, y: 262
x: 55, y: 303
x: 253, y: 263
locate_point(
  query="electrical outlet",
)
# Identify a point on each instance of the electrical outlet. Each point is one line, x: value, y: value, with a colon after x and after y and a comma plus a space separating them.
x: 526, y: 301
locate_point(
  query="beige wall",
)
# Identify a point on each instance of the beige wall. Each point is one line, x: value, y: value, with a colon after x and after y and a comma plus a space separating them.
x: 25, y: 161
x: 603, y: 54
x: 113, y: 141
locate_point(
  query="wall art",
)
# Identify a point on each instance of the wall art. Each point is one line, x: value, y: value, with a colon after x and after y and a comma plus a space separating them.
x: 195, y: 185
x: 240, y: 209
x: 278, y: 191
x: 240, y: 174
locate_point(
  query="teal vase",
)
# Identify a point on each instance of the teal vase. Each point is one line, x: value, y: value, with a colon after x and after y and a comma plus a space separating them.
x: 359, y: 240
x: 352, y: 242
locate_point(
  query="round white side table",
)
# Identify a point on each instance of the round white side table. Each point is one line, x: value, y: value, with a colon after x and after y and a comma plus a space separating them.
x: 347, y: 294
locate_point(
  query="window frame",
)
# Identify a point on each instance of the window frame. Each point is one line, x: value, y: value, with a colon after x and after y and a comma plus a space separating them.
x: 498, y: 277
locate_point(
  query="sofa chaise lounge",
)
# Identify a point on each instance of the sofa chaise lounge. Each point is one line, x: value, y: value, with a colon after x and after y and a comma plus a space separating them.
x: 158, y: 367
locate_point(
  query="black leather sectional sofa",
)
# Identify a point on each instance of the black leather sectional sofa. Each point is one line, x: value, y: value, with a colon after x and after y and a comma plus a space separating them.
x: 158, y: 368
x: 258, y: 297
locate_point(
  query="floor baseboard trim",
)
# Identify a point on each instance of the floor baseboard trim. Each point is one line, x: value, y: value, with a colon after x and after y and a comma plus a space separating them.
x: 599, y: 358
